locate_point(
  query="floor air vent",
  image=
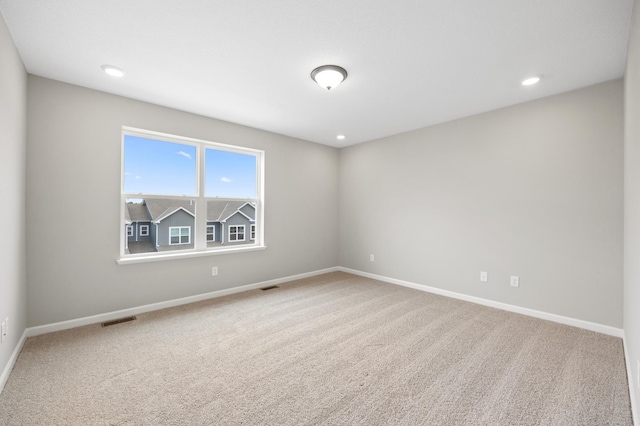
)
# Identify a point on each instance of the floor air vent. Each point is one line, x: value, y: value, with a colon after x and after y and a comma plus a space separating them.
x: 118, y: 321
x: 269, y: 288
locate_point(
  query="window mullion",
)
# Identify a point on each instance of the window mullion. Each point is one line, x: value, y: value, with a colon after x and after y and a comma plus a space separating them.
x: 199, y: 236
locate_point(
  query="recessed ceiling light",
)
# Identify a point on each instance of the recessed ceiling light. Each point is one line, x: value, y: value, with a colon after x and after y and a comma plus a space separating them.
x: 531, y: 80
x: 340, y: 137
x: 113, y: 71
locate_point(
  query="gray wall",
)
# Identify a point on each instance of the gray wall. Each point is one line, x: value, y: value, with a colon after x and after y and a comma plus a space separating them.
x: 533, y: 190
x: 73, y: 174
x: 632, y: 202
x: 13, y: 285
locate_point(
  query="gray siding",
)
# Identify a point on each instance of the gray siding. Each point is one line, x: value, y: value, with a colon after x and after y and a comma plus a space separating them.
x: 218, y: 231
x: 179, y: 218
x: 249, y: 210
x: 237, y: 219
x: 142, y: 237
x: 136, y: 232
x: 152, y: 233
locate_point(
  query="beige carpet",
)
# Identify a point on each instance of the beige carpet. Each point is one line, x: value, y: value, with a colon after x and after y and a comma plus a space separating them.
x: 334, y: 349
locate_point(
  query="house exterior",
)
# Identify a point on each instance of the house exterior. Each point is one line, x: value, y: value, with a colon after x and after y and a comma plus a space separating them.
x: 230, y: 223
x: 138, y: 225
x: 158, y: 224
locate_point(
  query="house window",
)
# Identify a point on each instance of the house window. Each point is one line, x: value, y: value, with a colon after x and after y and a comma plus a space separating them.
x: 129, y: 231
x: 236, y: 233
x: 183, y: 188
x: 179, y: 235
x: 253, y: 232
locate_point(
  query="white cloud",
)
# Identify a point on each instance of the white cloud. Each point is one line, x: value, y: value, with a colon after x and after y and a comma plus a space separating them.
x: 138, y: 177
x: 225, y: 180
x: 184, y: 154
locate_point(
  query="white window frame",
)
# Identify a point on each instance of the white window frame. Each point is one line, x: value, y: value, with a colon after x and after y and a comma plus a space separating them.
x: 198, y: 237
x: 244, y: 234
x: 252, y: 231
x: 129, y: 230
x: 212, y: 233
x: 143, y: 230
x: 180, y: 228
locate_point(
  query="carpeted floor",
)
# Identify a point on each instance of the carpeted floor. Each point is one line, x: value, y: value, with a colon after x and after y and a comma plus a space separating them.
x: 333, y: 349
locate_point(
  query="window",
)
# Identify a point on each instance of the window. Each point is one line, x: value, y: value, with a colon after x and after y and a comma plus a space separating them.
x: 183, y: 189
x: 236, y: 233
x: 179, y: 235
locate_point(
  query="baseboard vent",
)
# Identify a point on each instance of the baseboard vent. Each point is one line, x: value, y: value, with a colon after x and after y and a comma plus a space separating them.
x: 118, y: 321
x: 269, y: 288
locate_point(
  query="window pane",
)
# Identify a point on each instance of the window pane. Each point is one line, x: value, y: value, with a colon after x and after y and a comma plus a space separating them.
x: 159, y: 224
x: 229, y: 174
x: 232, y: 220
x: 158, y: 167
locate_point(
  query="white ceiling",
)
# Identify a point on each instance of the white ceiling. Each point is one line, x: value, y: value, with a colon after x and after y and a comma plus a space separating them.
x: 411, y: 63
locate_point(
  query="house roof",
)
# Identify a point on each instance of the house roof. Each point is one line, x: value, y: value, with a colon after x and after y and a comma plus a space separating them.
x: 156, y: 209
x: 160, y: 208
x: 220, y: 210
x: 136, y: 213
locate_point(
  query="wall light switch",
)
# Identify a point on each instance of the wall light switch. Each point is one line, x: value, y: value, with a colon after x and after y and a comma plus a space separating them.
x: 372, y: 258
x: 214, y: 271
x: 515, y: 281
x: 484, y: 276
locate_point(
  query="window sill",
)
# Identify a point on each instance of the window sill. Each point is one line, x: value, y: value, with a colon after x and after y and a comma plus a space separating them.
x: 172, y: 256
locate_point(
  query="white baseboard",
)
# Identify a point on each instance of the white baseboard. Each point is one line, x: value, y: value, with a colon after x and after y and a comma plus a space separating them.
x: 631, y: 382
x: 65, y: 325
x: 14, y: 357
x: 604, y: 329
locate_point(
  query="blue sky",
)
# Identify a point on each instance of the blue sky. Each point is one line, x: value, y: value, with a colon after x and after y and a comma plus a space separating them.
x: 167, y: 168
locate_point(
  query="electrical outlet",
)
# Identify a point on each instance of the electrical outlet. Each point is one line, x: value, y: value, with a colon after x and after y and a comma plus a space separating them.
x: 214, y: 271
x: 3, y: 328
x: 6, y: 326
x: 372, y: 258
x: 515, y: 281
x: 484, y: 276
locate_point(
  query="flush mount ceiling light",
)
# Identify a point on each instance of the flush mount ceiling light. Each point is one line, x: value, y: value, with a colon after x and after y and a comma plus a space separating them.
x: 329, y: 76
x: 113, y: 71
x: 340, y: 137
x: 530, y: 81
